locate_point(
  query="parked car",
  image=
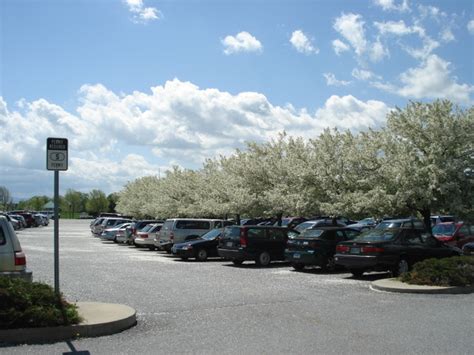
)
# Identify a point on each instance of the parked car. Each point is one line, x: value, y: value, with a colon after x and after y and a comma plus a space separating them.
x: 136, y: 226
x: 441, y: 219
x: 146, y: 237
x: 12, y: 258
x: 260, y: 243
x: 292, y: 222
x: 111, y: 233
x: 30, y: 221
x: 454, y: 234
x: 319, y: 223
x: 401, y: 223
x: 179, y: 230
x: 108, y: 222
x: 468, y: 249
x: 395, y: 249
x: 201, y: 248
x: 317, y: 246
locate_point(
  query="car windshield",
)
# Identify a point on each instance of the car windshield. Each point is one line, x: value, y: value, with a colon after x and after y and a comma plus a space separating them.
x: 305, y: 225
x: 211, y: 235
x: 311, y: 233
x: 444, y: 229
x: 146, y: 228
x: 376, y: 235
x: 388, y: 224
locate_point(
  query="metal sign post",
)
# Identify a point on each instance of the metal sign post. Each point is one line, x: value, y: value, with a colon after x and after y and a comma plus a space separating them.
x: 56, y: 160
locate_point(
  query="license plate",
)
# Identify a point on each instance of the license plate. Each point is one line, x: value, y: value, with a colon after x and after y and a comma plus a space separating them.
x: 296, y: 256
x: 229, y: 244
x: 355, y: 250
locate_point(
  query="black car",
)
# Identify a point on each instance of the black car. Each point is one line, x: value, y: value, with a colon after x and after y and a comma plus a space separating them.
x: 392, y: 249
x: 260, y: 243
x: 317, y: 246
x: 201, y: 248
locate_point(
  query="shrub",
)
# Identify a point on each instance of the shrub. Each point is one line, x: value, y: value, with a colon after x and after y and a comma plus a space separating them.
x: 32, y: 304
x: 454, y: 271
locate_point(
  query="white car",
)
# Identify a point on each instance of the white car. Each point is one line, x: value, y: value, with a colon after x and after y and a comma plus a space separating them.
x: 146, y: 237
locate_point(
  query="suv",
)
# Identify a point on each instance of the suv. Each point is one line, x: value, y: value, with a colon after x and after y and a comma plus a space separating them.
x: 179, y: 230
x: 260, y: 243
x: 12, y: 258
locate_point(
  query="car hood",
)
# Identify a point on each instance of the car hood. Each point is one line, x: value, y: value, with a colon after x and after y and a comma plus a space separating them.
x: 193, y: 242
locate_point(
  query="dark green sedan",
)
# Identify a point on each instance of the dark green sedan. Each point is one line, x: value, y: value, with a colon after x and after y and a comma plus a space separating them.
x: 317, y: 246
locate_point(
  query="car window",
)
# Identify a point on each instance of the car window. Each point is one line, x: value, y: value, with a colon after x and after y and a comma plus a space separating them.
x: 351, y: 233
x: 312, y: 233
x: 218, y: 224
x: 211, y: 235
x: 193, y: 225
x: 412, y: 238
x: 2, y: 237
x: 256, y: 233
x: 377, y: 235
x: 232, y: 232
x: 444, y: 229
x: 385, y: 225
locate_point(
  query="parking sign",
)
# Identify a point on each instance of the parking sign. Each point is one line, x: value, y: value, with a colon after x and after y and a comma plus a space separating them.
x: 56, y: 154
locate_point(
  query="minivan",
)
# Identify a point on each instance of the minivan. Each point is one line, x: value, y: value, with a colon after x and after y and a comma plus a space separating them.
x: 179, y: 230
x: 12, y: 258
x: 260, y: 243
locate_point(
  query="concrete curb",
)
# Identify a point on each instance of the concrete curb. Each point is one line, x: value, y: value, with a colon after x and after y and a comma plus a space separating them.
x: 394, y: 285
x: 99, y: 319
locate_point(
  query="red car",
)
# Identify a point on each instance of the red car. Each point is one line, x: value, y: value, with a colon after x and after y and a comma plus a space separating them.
x: 454, y: 233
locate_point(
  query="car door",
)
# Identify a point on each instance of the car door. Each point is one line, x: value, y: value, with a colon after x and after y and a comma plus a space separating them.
x: 412, y: 246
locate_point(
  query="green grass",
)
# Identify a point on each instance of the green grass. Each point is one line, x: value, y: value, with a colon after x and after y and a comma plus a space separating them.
x: 454, y: 271
x: 32, y: 304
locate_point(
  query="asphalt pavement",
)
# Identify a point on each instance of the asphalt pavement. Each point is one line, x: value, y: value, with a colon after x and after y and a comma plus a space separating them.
x: 217, y: 308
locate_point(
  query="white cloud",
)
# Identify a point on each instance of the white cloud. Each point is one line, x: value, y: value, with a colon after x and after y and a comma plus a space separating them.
x: 351, y: 27
x: 395, y: 28
x: 378, y: 52
x: 242, y: 42
x: 339, y: 46
x: 433, y: 79
x: 390, y: 5
x: 447, y: 35
x: 142, y: 14
x: 363, y: 74
x: 432, y: 12
x: 302, y: 43
x: 470, y: 27
x: 332, y: 81
x: 114, y: 138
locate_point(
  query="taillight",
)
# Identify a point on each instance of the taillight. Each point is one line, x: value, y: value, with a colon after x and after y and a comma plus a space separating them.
x: 144, y: 235
x: 243, y: 238
x: 342, y: 248
x: 371, y: 249
x: 20, y: 258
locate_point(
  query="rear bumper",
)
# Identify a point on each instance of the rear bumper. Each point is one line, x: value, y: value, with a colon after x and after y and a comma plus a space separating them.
x: 366, y: 262
x: 235, y: 254
x: 26, y: 275
x: 304, y: 257
x: 144, y: 241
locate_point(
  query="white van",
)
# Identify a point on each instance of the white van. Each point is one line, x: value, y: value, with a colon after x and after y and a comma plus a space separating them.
x: 178, y: 230
x: 12, y: 258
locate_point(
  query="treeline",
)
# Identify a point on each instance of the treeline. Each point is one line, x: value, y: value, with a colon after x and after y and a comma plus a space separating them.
x: 421, y: 162
x: 70, y: 204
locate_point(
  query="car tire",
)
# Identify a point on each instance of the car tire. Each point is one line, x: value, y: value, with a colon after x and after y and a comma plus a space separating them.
x: 184, y: 258
x: 201, y: 255
x: 263, y: 259
x: 298, y: 266
x: 152, y: 248
x: 237, y: 262
x: 356, y: 273
x: 401, y: 267
x: 329, y: 264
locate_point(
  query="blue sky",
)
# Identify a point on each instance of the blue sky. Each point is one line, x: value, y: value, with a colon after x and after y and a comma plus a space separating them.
x: 140, y: 85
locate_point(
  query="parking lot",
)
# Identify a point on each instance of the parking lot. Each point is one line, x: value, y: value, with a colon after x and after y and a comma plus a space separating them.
x: 216, y: 307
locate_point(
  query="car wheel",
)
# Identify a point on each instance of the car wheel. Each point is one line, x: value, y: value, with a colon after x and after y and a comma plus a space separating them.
x: 356, y: 273
x: 298, y: 266
x: 184, y: 258
x: 201, y: 255
x: 329, y: 264
x: 263, y: 259
x: 115, y: 240
x: 237, y: 262
x: 402, y: 267
x: 151, y: 248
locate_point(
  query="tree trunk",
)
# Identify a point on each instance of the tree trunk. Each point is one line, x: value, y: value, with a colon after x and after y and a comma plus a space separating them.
x: 237, y: 219
x: 279, y: 217
x: 426, y: 213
